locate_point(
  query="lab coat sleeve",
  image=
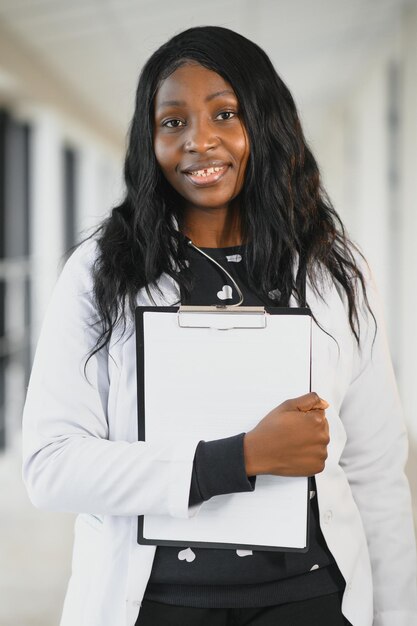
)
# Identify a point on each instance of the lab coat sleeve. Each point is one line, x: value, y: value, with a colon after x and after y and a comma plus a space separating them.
x: 374, y: 460
x: 69, y: 463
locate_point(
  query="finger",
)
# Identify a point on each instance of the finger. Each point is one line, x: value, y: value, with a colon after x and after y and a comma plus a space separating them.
x: 326, y: 432
x: 317, y: 415
x: 306, y: 402
x: 321, y: 404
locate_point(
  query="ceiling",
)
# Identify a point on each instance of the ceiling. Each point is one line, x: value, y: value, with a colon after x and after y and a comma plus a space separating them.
x: 97, y: 47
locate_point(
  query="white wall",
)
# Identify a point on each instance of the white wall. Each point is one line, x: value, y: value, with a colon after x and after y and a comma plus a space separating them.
x: 407, y: 308
x: 98, y: 188
x: 356, y: 152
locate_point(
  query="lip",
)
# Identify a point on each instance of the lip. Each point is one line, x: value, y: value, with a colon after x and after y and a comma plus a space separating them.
x: 206, y: 181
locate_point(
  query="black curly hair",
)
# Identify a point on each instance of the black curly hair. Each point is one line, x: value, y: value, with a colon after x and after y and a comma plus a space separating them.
x: 287, y: 217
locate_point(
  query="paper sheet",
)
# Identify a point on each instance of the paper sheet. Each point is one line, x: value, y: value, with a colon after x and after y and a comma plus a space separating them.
x: 218, y: 383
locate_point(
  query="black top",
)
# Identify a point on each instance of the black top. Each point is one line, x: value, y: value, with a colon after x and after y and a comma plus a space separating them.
x: 226, y: 578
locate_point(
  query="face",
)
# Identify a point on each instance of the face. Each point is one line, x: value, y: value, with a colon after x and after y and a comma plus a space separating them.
x: 200, y: 142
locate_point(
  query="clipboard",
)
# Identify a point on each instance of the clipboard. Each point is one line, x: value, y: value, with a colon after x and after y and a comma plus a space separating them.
x: 197, y: 352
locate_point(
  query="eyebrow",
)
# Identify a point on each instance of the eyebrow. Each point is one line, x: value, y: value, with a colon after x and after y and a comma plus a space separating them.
x: 210, y: 97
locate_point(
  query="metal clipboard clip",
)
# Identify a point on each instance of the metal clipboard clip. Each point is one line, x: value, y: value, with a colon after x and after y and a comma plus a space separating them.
x: 226, y: 317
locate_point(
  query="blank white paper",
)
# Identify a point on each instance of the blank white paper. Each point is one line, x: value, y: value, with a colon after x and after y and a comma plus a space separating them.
x: 218, y: 383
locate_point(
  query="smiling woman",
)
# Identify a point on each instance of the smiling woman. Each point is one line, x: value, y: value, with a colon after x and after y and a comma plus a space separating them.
x: 218, y: 169
x: 202, y: 148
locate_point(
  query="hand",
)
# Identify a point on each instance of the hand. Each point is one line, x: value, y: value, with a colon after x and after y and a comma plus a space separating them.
x: 291, y: 440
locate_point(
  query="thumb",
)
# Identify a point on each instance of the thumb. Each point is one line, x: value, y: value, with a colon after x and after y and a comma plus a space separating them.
x: 307, y: 402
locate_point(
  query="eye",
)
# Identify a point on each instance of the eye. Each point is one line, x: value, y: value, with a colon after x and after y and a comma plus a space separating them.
x: 227, y: 115
x: 172, y: 123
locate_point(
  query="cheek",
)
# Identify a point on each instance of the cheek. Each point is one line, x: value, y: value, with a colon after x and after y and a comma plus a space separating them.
x: 243, y: 155
x: 241, y: 143
x: 159, y: 152
x: 163, y: 154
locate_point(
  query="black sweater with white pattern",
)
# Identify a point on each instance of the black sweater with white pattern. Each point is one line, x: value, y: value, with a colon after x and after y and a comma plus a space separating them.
x: 226, y: 578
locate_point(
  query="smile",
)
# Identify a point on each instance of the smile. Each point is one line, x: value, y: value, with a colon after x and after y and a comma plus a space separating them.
x: 207, y: 176
x: 207, y: 171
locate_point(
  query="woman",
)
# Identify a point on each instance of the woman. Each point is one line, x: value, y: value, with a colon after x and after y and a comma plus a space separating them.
x: 217, y: 165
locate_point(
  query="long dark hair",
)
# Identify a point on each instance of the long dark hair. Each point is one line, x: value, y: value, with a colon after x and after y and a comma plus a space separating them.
x: 287, y: 218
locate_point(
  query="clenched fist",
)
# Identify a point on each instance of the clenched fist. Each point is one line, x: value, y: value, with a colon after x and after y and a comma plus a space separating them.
x: 291, y: 440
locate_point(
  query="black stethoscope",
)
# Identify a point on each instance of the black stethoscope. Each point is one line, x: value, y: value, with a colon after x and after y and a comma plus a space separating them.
x: 239, y: 291
x: 274, y: 295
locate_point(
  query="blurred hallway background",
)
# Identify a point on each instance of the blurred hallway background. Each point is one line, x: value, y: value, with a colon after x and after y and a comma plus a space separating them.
x: 68, y: 73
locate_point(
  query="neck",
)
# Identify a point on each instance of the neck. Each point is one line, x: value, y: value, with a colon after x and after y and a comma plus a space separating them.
x: 207, y: 228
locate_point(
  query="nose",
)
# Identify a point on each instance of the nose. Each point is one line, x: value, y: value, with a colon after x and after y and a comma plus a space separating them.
x: 200, y: 137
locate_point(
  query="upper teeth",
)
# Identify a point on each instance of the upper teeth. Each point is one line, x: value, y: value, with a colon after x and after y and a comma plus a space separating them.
x: 207, y: 171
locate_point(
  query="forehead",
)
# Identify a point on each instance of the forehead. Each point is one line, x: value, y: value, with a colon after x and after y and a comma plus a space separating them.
x: 191, y: 82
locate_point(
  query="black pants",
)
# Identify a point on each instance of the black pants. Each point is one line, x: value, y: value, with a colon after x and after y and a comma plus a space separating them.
x: 322, y: 611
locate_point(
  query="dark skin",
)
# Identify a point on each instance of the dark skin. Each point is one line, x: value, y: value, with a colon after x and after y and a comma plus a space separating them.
x: 202, y: 148
x: 203, y: 129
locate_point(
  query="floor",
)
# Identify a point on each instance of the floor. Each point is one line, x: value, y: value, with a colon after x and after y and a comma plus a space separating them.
x: 35, y: 553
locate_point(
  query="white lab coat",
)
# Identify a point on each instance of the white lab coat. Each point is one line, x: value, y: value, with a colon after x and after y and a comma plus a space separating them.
x: 81, y: 454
